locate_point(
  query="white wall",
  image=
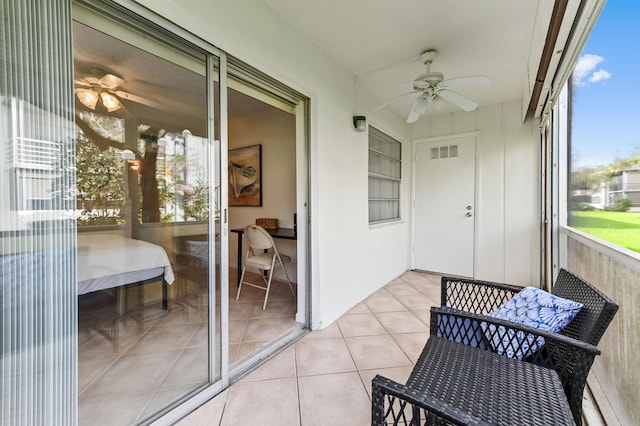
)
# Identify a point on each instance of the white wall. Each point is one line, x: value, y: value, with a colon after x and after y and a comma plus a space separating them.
x: 349, y: 261
x: 507, y: 210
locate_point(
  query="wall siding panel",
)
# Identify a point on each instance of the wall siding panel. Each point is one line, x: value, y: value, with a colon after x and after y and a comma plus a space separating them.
x: 507, y: 199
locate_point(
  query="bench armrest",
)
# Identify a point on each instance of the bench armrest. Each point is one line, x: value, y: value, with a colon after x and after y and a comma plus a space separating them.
x: 393, y: 403
x: 476, y: 296
x: 570, y: 358
x: 439, y: 324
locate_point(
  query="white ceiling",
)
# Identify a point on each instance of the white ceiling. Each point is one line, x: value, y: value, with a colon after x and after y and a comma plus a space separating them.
x: 376, y: 40
x: 172, y: 97
x: 472, y: 37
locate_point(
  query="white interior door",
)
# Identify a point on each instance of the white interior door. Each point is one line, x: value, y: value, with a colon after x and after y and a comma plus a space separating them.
x: 444, y: 209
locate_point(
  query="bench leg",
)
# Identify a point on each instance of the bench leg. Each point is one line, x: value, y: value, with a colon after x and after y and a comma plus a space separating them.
x: 164, y: 295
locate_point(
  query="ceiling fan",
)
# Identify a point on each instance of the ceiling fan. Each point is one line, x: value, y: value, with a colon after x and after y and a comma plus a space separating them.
x: 432, y: 89
x: 104, y: 87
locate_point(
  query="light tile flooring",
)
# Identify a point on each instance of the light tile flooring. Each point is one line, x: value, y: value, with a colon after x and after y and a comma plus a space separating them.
x: 325, y: 378
x: 132, y: 365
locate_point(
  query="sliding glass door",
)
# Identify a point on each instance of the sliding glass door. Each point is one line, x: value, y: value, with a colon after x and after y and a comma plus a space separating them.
x: 147, y: 215
x: 119, y: 302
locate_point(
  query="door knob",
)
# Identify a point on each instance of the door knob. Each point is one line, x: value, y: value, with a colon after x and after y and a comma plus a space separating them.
x: 468, y: 214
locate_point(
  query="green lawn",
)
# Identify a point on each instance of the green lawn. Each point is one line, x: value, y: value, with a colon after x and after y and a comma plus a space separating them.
x: 621, y: 228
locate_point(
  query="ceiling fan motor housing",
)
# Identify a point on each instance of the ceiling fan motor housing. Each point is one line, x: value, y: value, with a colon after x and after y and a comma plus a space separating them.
x: 427, y: 79
x: 431, y: 91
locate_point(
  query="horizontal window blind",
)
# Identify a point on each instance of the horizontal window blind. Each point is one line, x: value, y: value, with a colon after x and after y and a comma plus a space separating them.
x: 385, y: 172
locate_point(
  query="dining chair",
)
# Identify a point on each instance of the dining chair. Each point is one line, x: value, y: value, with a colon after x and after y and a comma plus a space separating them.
x: 262, y: 254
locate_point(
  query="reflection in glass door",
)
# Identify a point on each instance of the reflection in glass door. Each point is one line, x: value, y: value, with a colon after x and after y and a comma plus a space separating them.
x: 147, y: 212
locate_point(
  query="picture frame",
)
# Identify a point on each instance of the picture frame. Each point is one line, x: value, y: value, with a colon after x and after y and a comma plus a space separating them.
x: 245, y: 176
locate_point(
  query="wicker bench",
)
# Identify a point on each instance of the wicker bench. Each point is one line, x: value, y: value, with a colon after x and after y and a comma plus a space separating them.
x: 454, y: 382
x: 482, y: 297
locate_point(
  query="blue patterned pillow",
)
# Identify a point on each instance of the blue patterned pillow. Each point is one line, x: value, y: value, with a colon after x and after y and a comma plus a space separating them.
x: 532, y: 307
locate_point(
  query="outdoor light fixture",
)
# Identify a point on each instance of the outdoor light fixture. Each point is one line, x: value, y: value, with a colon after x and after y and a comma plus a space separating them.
x: 130, y: 158
x: 127, y: 154
x: 360, y: 123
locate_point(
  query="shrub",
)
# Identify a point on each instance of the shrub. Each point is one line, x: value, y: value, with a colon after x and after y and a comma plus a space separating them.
x: 582, y: 207
x: 621, y: 205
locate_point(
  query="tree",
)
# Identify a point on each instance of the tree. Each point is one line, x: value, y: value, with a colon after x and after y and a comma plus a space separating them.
x: 196, y: 207
x: 586, y: 178
x: 99, y: 183
x: 150, y: 193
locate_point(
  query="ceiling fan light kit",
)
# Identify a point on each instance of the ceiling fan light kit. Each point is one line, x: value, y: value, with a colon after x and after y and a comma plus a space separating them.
x: 104, y: 89
x: 110, y: 102
x: 433, y: 90
x: 88, y: 98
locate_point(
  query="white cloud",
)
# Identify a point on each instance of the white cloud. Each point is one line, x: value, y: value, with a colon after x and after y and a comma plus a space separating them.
x: 584, y: 70
x: 599, y: 76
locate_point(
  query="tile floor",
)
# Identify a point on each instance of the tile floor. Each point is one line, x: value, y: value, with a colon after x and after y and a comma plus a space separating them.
x: 159, y: 356
x: 325, y: 378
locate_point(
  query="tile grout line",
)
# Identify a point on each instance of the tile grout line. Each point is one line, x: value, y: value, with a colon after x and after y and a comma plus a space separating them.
x: 295, y: 363
x: 175, y: 362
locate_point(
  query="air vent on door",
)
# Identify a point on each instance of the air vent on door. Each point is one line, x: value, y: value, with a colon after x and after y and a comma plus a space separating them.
x: 446, y: 151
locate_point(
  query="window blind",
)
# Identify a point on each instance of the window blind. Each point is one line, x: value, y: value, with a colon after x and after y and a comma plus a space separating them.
x: 385, y: 175
x: 38, y: 378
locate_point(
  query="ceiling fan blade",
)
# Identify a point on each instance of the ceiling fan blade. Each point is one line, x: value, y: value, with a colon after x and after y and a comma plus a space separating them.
x: 110, y: 81
x: 82, y: 83
x: 90, y: 80
x: 392, y: 100
x: 474, y: 80
x: 458, y: 100
x: 138, y: 99
x: 418, y: 108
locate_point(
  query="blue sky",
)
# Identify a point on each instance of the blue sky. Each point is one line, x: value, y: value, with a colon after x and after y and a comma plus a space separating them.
x: 607, y: 95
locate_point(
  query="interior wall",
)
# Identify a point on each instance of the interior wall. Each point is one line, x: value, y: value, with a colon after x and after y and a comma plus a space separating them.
x: 275, y: 130
x: 507, y: 246
x: 348, y: 260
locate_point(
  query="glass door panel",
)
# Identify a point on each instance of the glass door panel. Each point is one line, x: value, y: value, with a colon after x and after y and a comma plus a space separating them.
x: 147, y: 212
x: 263, y: 171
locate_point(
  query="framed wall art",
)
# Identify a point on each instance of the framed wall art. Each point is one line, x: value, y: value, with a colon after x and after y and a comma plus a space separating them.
x: 245, y: 176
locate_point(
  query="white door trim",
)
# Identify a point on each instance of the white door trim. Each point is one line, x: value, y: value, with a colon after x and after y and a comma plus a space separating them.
x: 477, y: 207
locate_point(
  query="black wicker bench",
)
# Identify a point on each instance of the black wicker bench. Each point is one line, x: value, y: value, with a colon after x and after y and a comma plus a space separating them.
x: 456, y: 383
x: 482, y: 297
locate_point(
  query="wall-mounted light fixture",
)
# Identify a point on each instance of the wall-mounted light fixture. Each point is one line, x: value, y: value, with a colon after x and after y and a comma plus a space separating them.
x: 130, y: 158
x: 360, y: 123
x: 127, y: 154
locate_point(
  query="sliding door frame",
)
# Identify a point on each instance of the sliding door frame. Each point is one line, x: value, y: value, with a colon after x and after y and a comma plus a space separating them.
x: 220, y: 145
x: 174, y: 36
